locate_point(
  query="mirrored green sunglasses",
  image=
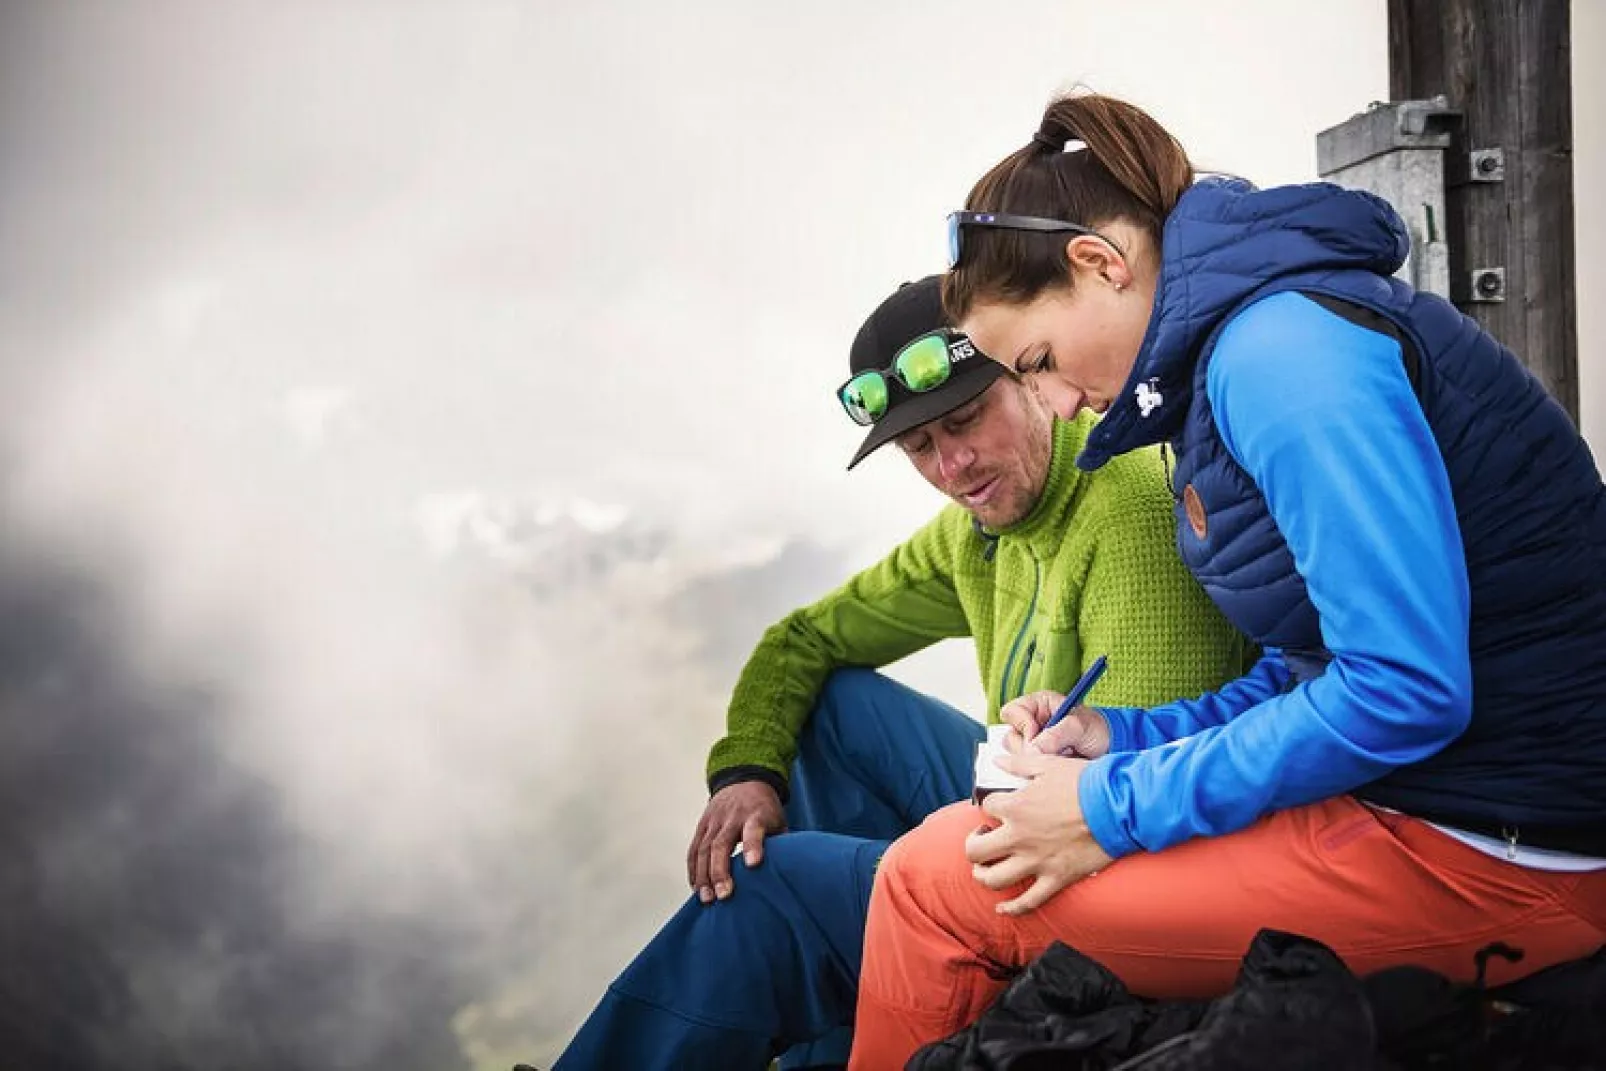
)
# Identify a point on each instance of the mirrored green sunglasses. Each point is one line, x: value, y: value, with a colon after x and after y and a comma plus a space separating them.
x: 923, y: 365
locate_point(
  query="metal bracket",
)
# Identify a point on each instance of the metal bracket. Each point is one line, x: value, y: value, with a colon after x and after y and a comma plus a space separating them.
x: 1486, y: 165
x: 1486, y: 286
x: 1383, y: 128
x: 1401, y: 151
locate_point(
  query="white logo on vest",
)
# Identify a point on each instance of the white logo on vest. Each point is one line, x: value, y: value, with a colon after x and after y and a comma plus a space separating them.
x: 1149, y: 397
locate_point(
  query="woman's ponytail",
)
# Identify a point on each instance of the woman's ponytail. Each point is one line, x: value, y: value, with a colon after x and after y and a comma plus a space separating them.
x: 1130, y: 168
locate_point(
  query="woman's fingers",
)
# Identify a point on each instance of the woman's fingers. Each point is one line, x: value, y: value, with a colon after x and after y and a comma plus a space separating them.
x: 1040, y: 892
x: 1027, y: 714
x: 1010, y: 870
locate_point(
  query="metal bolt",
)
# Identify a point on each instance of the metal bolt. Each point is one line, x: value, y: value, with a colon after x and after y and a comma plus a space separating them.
x: 1487, y: 284
x: 1487, y: 165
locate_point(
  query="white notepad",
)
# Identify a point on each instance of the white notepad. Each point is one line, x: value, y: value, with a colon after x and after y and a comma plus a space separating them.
x: 989, y: 778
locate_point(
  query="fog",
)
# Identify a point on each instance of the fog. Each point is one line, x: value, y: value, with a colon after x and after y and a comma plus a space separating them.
x: 413, y: 413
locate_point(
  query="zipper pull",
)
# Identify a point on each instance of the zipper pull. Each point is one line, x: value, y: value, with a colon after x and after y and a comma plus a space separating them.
x: 1510, y: 834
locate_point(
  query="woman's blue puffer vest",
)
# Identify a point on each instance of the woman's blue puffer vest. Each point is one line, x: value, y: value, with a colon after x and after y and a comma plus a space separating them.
x: 1528, y: 497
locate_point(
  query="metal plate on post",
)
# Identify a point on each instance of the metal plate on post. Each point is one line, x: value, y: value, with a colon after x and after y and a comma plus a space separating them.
x: 1397, y: 151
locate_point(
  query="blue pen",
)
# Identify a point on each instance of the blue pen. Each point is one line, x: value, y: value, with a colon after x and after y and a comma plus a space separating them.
x: 1078, y: 691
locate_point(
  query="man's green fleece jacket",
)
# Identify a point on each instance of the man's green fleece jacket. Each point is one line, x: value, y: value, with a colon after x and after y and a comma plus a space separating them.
x: 1092, y: 570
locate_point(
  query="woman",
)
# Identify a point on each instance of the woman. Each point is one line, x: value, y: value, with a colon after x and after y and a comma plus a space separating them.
x: 1371, y: 488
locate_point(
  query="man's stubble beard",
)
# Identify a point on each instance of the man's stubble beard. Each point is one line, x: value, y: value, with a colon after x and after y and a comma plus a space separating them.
x: 1024, y: 499
x: 1020, y: 505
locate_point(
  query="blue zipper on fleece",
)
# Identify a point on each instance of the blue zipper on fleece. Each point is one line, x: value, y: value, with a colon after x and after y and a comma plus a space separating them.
x: 1014, y: 648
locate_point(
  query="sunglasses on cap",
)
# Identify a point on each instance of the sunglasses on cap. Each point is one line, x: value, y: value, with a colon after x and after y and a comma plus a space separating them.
x: 922, y: 365
x: 958, y: 221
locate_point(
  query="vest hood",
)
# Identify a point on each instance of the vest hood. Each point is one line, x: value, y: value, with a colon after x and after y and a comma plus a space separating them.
x: 1224, y: 241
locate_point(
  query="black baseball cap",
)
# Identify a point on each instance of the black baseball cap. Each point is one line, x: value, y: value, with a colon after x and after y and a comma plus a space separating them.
x: 914, y: 309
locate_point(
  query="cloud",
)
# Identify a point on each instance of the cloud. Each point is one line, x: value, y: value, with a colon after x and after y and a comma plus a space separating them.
x: 314, y: 413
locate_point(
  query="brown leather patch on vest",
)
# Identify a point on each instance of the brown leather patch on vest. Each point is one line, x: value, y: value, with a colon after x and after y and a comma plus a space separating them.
x: 1193, y: 506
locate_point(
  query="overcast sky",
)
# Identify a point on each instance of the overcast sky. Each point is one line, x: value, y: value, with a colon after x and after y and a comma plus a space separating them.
x: 530, y: 245
x: 296, y: 298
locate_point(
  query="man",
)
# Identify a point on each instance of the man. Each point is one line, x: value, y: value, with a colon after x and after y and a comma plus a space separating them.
x: 1046, y: 567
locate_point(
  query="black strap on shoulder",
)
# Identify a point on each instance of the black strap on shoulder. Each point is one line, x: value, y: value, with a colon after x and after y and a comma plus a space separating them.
x: 1361, y: 316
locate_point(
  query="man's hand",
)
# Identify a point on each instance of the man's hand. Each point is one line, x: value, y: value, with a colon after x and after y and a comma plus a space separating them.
x: 1084, y: 734
x: 1041, y: 836
x: 746, y: 812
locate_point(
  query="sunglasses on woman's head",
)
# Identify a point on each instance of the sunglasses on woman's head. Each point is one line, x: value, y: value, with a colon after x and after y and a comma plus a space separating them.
x: 958, y: 221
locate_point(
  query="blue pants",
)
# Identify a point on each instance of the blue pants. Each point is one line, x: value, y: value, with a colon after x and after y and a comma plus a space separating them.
x: 775, y: 967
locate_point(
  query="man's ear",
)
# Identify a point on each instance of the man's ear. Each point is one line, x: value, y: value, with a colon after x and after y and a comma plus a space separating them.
x: 1091, y: 257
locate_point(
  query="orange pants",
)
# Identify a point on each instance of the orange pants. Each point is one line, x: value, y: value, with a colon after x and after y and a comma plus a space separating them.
x: 1379, y: 888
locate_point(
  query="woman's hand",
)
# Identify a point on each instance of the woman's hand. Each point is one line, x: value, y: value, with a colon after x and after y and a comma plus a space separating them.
x: 1041, y: 836
x: 1082, y: 734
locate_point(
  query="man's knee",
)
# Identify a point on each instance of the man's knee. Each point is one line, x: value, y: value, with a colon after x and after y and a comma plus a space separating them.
x: 747, y: 928
x: 813, y: 868
x: 788, y: 860
x: 738, y: 964
x: 848, y: 691
x: 858, y: 707
x: 801, y: 908
x: 770, y: 892
x: 844, y: 720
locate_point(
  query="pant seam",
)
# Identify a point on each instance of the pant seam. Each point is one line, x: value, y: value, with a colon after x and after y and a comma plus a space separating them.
x: 924, y: 1012
x: 713, y: 1024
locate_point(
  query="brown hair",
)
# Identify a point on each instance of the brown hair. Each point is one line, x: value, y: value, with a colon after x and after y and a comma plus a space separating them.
x: 1132, y: 170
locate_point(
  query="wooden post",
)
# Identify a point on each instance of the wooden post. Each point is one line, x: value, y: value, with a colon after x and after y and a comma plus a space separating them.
x: 1507, y: 65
